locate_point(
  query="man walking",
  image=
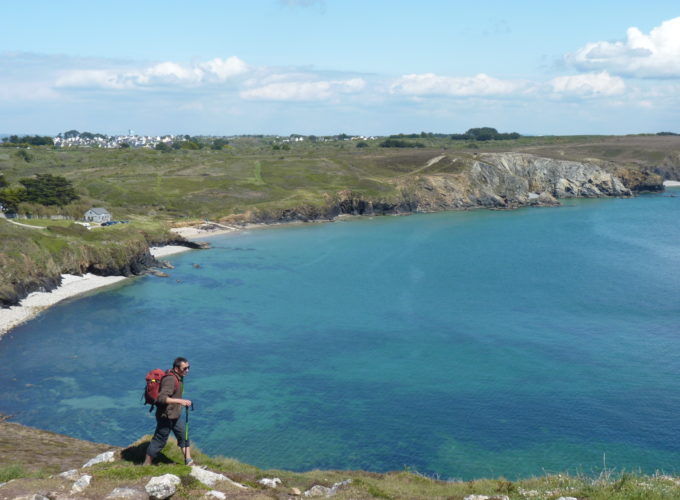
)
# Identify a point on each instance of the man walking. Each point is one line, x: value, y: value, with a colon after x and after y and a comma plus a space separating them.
x: 169, y: 405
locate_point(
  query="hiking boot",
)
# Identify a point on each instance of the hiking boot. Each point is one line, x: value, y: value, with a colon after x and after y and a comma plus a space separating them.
x: 189, y: 461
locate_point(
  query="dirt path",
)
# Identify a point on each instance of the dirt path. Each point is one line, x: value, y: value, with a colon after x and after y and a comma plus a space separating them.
x: 429, y: 163
x: 24, y: 225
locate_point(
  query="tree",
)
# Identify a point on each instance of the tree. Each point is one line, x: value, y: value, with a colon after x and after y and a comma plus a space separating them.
x: 10, y: 197
x: 48, y: 189
x: 218, y: 144
x: 3, y: 182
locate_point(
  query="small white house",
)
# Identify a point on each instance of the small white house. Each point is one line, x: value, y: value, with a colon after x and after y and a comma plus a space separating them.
x: 97, y: 215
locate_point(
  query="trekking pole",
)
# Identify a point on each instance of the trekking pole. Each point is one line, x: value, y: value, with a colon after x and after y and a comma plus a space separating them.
x: 186, y: 432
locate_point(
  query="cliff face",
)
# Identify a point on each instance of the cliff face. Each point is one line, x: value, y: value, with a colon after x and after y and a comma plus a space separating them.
x: 509, y: 180
x: 490, y: 180
x: 670, y: 167
x: 503, y: 180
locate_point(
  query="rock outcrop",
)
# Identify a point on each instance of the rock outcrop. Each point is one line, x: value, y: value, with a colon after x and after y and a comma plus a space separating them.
x: 489, y: 180
x: 496, y: 180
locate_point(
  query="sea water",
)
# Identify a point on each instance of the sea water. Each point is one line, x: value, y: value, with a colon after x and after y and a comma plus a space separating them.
x: 463, y: 344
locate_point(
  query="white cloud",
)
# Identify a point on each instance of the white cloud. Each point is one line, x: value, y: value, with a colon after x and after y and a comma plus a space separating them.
x: 224, y: 69
x: 590, y: 84
x: 479, y: 85
x: 303, y: 91
x: 656, y: 55
x: 162, y: 74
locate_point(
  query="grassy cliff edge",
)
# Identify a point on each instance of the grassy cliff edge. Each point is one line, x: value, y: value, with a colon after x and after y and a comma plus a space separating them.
x: 31, y: 459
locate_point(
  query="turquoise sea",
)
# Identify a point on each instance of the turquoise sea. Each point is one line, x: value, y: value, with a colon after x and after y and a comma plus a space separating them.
x: 464, y: 344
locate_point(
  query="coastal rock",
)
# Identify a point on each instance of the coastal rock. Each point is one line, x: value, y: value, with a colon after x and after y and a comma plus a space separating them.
x: 209, y: 478
x: 318, y: 491
x: 485, y: 497
x: 215, y: 494
x: 324, y: 491
x: 161, y: 487
x: 130, y: 493
x: 158, y: 273
x: 81, y: 484
x: 270, y: 482
x: 32, y: 497
x: 71, y: 475
x: 295, y: 492
x: 107, y: 456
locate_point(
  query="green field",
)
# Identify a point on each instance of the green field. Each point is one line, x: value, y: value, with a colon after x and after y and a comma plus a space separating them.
x: 250, y: 175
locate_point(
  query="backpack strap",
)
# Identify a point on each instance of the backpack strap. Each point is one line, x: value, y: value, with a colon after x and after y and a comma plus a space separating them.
x: 177, y: 381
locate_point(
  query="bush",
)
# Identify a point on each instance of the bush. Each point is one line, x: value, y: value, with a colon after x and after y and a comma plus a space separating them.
x: 484, y: 134
x: 24, y: 155
x: 400, y: 143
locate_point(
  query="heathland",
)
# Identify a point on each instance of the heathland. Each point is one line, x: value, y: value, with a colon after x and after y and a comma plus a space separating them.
x: 256, y: 180
x: 268, y: 180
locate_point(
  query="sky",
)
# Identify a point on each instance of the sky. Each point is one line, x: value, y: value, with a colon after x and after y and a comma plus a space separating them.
x: 370, y: 67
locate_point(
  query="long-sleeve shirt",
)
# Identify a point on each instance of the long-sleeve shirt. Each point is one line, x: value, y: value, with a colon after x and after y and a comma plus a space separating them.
x: 171, y: 387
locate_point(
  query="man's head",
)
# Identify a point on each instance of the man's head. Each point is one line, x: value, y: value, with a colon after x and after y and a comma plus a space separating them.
x: 181, y: 365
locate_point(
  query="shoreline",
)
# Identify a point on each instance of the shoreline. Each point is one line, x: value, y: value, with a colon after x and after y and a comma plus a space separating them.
x: 37, y: 302
x: 72, y: 285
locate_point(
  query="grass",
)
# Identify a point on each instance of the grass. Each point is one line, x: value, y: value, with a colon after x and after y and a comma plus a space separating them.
x: 249, y: 174
x: 32, y: 258
x: 30, y: 459
x: 9, y: 472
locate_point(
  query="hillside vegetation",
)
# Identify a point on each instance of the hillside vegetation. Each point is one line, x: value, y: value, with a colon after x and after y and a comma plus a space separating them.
x: 263, y: 180
x: 31, y: 458
x: 249, y: 175
x: 34, y: 259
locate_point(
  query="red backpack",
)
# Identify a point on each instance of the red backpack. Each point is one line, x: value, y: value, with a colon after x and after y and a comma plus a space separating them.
x: 153, y: 385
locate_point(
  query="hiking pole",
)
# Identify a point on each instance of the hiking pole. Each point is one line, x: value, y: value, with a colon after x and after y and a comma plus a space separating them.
x: 186, y: 430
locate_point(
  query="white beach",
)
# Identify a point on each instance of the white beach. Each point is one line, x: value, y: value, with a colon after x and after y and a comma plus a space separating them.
x: 73, y: 285
x: 190, y: 232
x: 36, y: 302
x: 167, y: 250
x: 671, y: 183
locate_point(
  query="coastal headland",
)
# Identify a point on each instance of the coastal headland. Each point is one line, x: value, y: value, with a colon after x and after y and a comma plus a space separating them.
x: 173, y: 198
x: 175, y: 208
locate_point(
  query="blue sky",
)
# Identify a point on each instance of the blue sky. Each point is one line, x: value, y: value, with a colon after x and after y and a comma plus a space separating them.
x: 330, y: 66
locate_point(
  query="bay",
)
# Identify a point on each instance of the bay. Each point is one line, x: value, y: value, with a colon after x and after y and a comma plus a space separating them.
x: 463, y: 344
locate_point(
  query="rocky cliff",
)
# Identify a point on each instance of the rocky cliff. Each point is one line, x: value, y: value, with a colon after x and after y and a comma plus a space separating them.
x: 490, y: 180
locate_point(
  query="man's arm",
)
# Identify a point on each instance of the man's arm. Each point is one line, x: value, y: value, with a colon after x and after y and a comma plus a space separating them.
x: 167, y: 390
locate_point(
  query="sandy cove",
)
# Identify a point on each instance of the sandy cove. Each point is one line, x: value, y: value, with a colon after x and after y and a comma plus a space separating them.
x: 73, y: 285
x: 37, y: 302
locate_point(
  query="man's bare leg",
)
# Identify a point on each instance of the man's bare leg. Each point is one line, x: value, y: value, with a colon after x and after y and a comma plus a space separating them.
x: 187, y: 453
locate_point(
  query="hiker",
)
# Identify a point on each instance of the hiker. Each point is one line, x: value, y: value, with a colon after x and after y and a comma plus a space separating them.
x: 169, y: 405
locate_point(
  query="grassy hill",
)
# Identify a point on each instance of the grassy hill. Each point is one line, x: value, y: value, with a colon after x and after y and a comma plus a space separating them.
x: 250, y: 174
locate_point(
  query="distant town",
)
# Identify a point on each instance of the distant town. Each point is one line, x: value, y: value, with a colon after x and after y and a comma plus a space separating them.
x: 74, y: 138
